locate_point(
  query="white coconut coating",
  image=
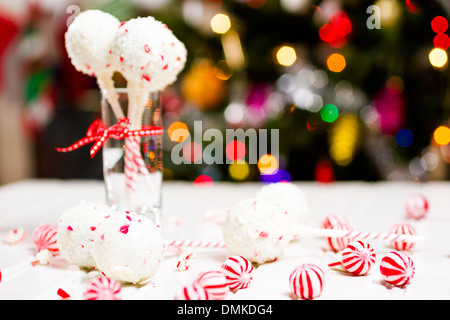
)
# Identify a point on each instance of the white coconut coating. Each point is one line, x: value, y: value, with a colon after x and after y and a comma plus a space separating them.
x: 128, y: 247
x: 88, y: 42
x: 290, y: 200
x: 148, y: 54
x: 76, y: 228
x: 256, y: 230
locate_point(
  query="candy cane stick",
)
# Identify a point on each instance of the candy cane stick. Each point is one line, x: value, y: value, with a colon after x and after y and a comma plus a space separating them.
x: 194, y: 244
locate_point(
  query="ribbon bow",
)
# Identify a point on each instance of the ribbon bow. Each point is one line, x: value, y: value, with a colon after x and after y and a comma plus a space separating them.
x: 99, y: 133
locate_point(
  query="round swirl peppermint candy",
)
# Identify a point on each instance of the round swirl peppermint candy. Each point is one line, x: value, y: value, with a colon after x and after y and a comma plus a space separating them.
x: 238, y: 272
x: 306, y: 281
x: 45, y: 237
x: 358, y: 257
x: 193, y: 291
x: 103, y: 288
x: 215, y: 283
x: 416, y: 206
x: 338, y: 244
x: 332, y: 220
x: 403, y: 228
x: 397, y: 268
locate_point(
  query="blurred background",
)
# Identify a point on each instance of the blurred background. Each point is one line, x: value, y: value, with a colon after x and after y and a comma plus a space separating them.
x: 354, y: 95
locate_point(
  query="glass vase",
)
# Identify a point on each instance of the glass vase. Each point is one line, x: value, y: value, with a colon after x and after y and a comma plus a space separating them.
x: 132, y: 165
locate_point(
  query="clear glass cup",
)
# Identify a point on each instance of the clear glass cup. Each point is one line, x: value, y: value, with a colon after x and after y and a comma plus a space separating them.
x: 132, y: 169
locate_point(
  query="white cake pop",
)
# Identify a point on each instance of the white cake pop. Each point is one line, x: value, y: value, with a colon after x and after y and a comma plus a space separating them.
x: 76, y: 229
x: 128, y: 247
x: 290, y: 200
x: 88, y: 43
x: 256, y: 230
x: 148, y: 54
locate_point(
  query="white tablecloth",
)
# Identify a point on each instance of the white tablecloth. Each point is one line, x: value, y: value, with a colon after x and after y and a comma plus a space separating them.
x: 193, y: 213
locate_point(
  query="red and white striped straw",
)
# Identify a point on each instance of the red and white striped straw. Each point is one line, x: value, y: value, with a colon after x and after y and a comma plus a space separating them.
x: 194, y: 244
x: 131, y: 169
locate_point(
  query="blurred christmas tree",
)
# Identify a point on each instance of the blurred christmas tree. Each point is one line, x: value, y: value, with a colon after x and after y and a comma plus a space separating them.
x: 354, y: 87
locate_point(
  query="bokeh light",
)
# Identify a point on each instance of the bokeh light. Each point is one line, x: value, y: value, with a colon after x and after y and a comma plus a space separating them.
x: 235, y: 150
x: 178, y: 131
x: 439, y: 24
x: 404, y: 138
x: 268, y: 164
x: 203, y: 180
x: 239, y: 171
x: 343, y: 139
x: 441, y: 41
x: 286, y: 56
x: 438, y: 57
x: 442, y: 135
x: 336, y: 62
x: 220, y: 23
x: 279, y: 176
x: 329, y: 113
x: 192, y: 152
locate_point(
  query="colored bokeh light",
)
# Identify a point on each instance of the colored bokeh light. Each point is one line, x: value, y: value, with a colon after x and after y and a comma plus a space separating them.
x: 268, y: 164
x: 178, y: 131
x: 329, y: 113
x: 203, y: 180
x: 279, y: 176
x: 441, y: 41
x: 192, y: 152
x: 438, y: 58
x: 220, y: 23
x: 235, y: 150
x: 286, y: 56
x: 404, y: 138
x: 336, y: 62
x: 442, y: 135
x: 439, y: 24
x: 239, y: 171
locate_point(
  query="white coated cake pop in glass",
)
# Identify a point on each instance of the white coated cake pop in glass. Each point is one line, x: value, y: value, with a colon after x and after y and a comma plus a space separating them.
x: 88, y: 43
x: 128, y: 247
x: 76, y: 229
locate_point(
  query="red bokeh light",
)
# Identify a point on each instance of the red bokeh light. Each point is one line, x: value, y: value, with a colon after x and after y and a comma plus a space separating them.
x: 235, y: 150
x: 442, y: 41
x: 439, y: 24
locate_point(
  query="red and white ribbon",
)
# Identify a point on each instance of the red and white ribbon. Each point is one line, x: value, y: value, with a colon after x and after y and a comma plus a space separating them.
x: 98, y: 133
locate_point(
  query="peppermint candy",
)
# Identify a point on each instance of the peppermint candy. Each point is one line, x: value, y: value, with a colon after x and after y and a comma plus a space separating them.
x: 358, y: 258
x: 14, y: 236
x: 193, y: 291
x: 306, y: 281
x: 103, y: 288
x: 338, y: 244
x: 215, y: 283
x: 402, y: 228
x: 397, y: 268
x: 416, y: 206
x: 44, y: 237
x: 238, y: 272
x: 332, y: 220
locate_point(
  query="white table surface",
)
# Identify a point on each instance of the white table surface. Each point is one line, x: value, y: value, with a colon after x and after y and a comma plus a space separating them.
x: 187, y: 215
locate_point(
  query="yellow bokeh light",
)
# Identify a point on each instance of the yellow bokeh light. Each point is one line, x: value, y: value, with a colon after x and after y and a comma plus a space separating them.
x: 336, y: 62
x: 239, y: 171
x: 286, y: 56
x: 442, y: 135
x: 438, y: 57
x: 178, y: 131
x: 268, y: 164
x: 220, y: 23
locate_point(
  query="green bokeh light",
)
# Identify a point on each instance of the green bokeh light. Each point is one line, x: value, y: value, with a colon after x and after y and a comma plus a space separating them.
x: 329, y: 113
